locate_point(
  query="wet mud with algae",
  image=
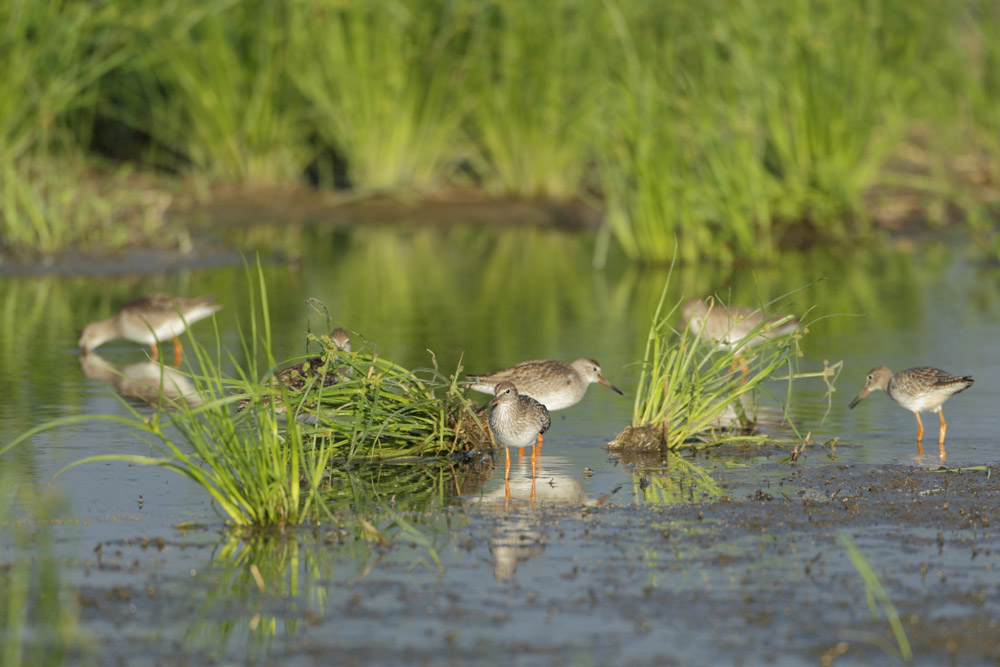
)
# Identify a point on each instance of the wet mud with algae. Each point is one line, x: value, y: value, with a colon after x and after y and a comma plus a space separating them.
x: 756, y: 576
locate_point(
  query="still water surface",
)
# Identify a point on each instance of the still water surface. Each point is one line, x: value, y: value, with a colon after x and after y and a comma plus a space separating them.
x: 476, y: 579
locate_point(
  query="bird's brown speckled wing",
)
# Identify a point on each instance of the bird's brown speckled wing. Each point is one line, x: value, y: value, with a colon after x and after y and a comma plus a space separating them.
x: 925, y: 377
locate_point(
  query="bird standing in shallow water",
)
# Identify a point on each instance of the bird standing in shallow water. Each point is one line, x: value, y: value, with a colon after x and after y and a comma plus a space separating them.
x: 554, y: 384
x: 516, y: 421
x: 920, y: 389
x: 149, y: 320
x: 728, y: 326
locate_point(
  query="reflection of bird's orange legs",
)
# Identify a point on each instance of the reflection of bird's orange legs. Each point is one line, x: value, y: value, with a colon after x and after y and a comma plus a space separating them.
x: 535, y: 453
x: 177, y: 352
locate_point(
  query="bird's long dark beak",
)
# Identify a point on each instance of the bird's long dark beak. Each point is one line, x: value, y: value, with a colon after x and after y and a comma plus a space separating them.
x: 490, y: 404
x: 600, y: 378
x: 857, y: 399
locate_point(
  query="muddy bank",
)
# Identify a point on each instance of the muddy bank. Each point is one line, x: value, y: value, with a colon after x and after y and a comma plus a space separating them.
x: 758, y: 577
x: 239, y: 206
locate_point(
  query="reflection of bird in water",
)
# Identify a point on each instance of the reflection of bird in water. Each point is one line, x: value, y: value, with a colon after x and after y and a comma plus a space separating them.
x: 551, y: 488
x: 145, y: 381
x: 920, y: 389
x: 517, y: 421
x: 514, y: 542
x: 149, y: 320
x: 554, y: 384
x: 314, y: 372
x: 519, y: 536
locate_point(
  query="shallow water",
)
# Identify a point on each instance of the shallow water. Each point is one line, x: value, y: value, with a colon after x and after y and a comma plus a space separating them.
x: 616, y: 562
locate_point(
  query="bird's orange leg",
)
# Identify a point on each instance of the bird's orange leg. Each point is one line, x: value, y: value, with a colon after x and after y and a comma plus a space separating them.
x: 941, y: 432
x: 506, y: 475
x: 154, y: 351
x: 177, y: 352
x: 520, y: 454
x: 920, y: 434
x: 741, y: 364
x: 535, y: 451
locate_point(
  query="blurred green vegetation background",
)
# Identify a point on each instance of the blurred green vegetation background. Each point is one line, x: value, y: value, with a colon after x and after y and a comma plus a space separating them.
x: 722, y: 130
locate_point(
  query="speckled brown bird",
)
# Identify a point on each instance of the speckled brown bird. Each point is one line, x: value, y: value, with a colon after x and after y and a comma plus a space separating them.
x: 920, y: 389
x: 149, y: 320
x: 729, y: 325
x: 554, y: 384
x: 517, y: 421
x: 297, y: 376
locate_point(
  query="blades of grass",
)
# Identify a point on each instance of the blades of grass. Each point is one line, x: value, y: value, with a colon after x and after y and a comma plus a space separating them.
x: 876, y: 593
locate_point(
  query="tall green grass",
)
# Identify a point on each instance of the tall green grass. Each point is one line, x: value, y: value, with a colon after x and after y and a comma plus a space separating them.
x: 536, y: 75
x: 383, y: 84
x: 722, y: 131
x: 745, y: 122
x: 213, y: 92
x: 54, y: 54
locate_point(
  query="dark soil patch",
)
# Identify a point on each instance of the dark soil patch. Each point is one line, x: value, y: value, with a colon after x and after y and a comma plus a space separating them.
x: 760, y: 577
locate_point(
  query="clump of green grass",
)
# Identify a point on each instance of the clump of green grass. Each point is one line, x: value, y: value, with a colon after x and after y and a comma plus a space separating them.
x: 260, y: 464
x: 679, y: 168
x: 376, y: 410
x: 212, y: 91
x: 47, y: 205
x: 735, y: 127
x: 383, y: 84
x: 693, y: 393
x: 537, y: 78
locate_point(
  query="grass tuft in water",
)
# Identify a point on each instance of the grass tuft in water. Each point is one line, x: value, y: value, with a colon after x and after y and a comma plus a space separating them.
x: 270, y: 462
x: 693, y: 393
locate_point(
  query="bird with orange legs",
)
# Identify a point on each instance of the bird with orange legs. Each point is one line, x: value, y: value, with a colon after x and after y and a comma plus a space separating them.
x: 920, y: 389
x: 554, y: 384
x: 732, y: 327
x: 517, y: 420
x: 149, y: 320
